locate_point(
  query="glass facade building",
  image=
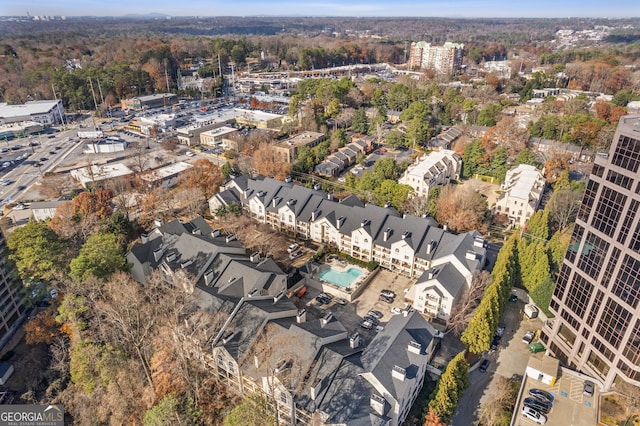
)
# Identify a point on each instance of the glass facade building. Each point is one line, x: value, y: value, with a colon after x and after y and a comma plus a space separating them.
x: 596, y: 328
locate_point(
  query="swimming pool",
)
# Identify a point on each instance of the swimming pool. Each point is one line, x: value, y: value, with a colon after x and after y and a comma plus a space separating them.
x: 342, y: 279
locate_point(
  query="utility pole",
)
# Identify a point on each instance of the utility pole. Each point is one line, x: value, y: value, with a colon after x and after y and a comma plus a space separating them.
x: 102, y: 98
x: 93, y: 93
x: 166, y: 76
x: 55, y: 97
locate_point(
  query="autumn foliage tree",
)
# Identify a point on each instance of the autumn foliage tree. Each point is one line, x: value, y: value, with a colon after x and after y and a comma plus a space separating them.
x: 463, y: 208
x: 267, y: 163
x: 204, y: 176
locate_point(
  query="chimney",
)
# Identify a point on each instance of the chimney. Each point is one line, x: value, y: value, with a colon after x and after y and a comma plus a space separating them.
x: 330, y: 196
x: 398, y: 372
x: 278, y: 296
x: 431, y: 274
x: 446, y: 227
x: 301, y: 316
x: 387, y: 204
x: 252, y: 292
x: 246, y: 193
x: 431, y: 246
x: 215, y: 233
x: 208, y: 277
x: 230, y: 238
x: 340, y: 222
x: 157, y: 223
x: 386, y: 234
x: 288, y: 179
x: 144, y: 238
x: 281, y: 366
x: 314, y: 390
x: 291, y: 202
x: 470, y: 255
x: 405, y: 311
x: 157, y: 254
x: 405, y: 235
x: 314, y: 215
x: 186, y: 263
x: 255, y: 257
x: 364, y: 223
x: 274, y: 201
x: 478, y: 242
x: 354, y: 340
x: 171, y: 256
x: 227, y: 338
x: 317, y: 187
x: 377, y: 404
x: 414, y: 347
x: 196, y: 231
x: 325, y: 320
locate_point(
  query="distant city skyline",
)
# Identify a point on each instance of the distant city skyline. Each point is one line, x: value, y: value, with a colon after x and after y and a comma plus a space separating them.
x: 353, y: 8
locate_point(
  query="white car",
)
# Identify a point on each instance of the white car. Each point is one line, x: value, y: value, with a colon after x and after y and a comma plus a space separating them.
x: 528, y: 337
x: 532, y: 414
x: 189, y: 154
x: 396, y: 310
x: 292, y: 248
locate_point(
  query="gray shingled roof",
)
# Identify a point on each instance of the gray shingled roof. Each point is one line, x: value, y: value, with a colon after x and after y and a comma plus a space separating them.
x: 448, y: 276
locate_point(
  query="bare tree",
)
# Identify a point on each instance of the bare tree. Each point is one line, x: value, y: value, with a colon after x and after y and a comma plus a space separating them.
x: 462, y: 312
x: 57, y: 185
x: 501, y: 399
x: 563, y: 207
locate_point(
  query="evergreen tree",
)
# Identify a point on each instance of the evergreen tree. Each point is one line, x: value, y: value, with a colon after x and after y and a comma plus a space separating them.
x: 359, y: 122
x: 451, y: 386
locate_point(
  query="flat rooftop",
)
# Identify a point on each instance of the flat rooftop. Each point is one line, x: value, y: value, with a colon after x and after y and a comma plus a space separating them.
x: 220, y: 131
x: 166, y: 171
x: 301, y: 139
x: 28, y: 108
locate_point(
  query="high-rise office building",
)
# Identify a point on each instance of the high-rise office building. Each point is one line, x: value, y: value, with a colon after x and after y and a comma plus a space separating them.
x: 10, y: 298
x: 596, y: 300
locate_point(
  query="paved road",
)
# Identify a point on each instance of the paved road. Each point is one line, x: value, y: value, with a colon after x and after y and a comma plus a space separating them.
x: 470, y: 401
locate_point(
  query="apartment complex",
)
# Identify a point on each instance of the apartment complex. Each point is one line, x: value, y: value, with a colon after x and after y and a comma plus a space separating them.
x: 346, y: 156
x: 328, y: 376
x: 10, y: 298
x: 44, y: 113
x: 431, y: 170
x: 445, y: 59
x: 407, y: 244
x: 521, y: 194
x: 597, y: 294
x: 287, y: 150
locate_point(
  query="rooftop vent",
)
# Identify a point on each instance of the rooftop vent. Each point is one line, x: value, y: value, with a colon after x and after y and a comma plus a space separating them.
x: 301, y: 316
x: 196, y: 231
x: 186, y: 263
x: 326, y: 319
x: 252, y: 292
x: 354, y: 340
x: 470, y: 255
x: 157, y: 254
x: 255, y: 257
x: 278, y: 296
x: 172, y: 256
x: 208, y: 277
x: 377, y: 403
x: 227, y: 338
x: 215, y: 233
x: 144, y: 238
x: 230, y: 238
x: 157, y: 223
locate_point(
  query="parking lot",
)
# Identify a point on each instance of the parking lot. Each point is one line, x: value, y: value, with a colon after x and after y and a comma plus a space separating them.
x: 351, y: 313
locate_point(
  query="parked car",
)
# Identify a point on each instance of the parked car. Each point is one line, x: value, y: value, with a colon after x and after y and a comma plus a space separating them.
x: 388, y: 293
x: 500, y: 330
x: 588, y: 388
x: 295, y: 255
x: 375, y: 314
x: 323, y: 300
x: 367, y: 325
x: 386, y: 299
x: 484, y: 366
x: 541, y: 395
x: 528, y: 337
x: 292, y: 248
x: 326, y: 295
x: 189, y: 154
x: 341, y: 301
x: 372, y: 320
x: 532, y: 414
x: 538, y: 405
x: 495, y: 342
x: 395, y: 309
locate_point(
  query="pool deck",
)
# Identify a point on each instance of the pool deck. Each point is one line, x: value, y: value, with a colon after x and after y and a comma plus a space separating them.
x: 340, y: 265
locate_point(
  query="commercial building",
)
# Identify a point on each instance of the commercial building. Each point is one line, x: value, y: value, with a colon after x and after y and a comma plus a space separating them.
x: 521, y: 194
x: 596, y: 300
x: 166, y: 175
x: 46, y: 113
x: 431, y: 170
x: 445, y: 59
x: 44, y: 210
x: 147, y: 102
x: 287, y: 150
x: 217, y: 136
x: 96, y: 174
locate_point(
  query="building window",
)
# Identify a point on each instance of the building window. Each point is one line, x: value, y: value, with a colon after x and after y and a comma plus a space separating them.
x: 570, y: 319
x: 598, y: 364
x: 260, y: 209
x: 635, y: 240
x: 595, y: 307
x: 608, y: 211
x: 567, y: 335
x: 631, y: 351
x: 283, y: 397
x: 619, y: 179
x: 593, y: 254
x: 574, y: 245
x: 602, y: 348
x: 628, y: 220
x: 627, y: 284
x: 598, y: 170
x: 588, y: 200
x: 580, y: 291
x: 627, y: 153
x: 290, y: 218
x: 563, y: 280
x: 613, y: 323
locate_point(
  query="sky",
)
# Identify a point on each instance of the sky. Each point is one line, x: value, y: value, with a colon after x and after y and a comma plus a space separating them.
x: 415, y: 8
